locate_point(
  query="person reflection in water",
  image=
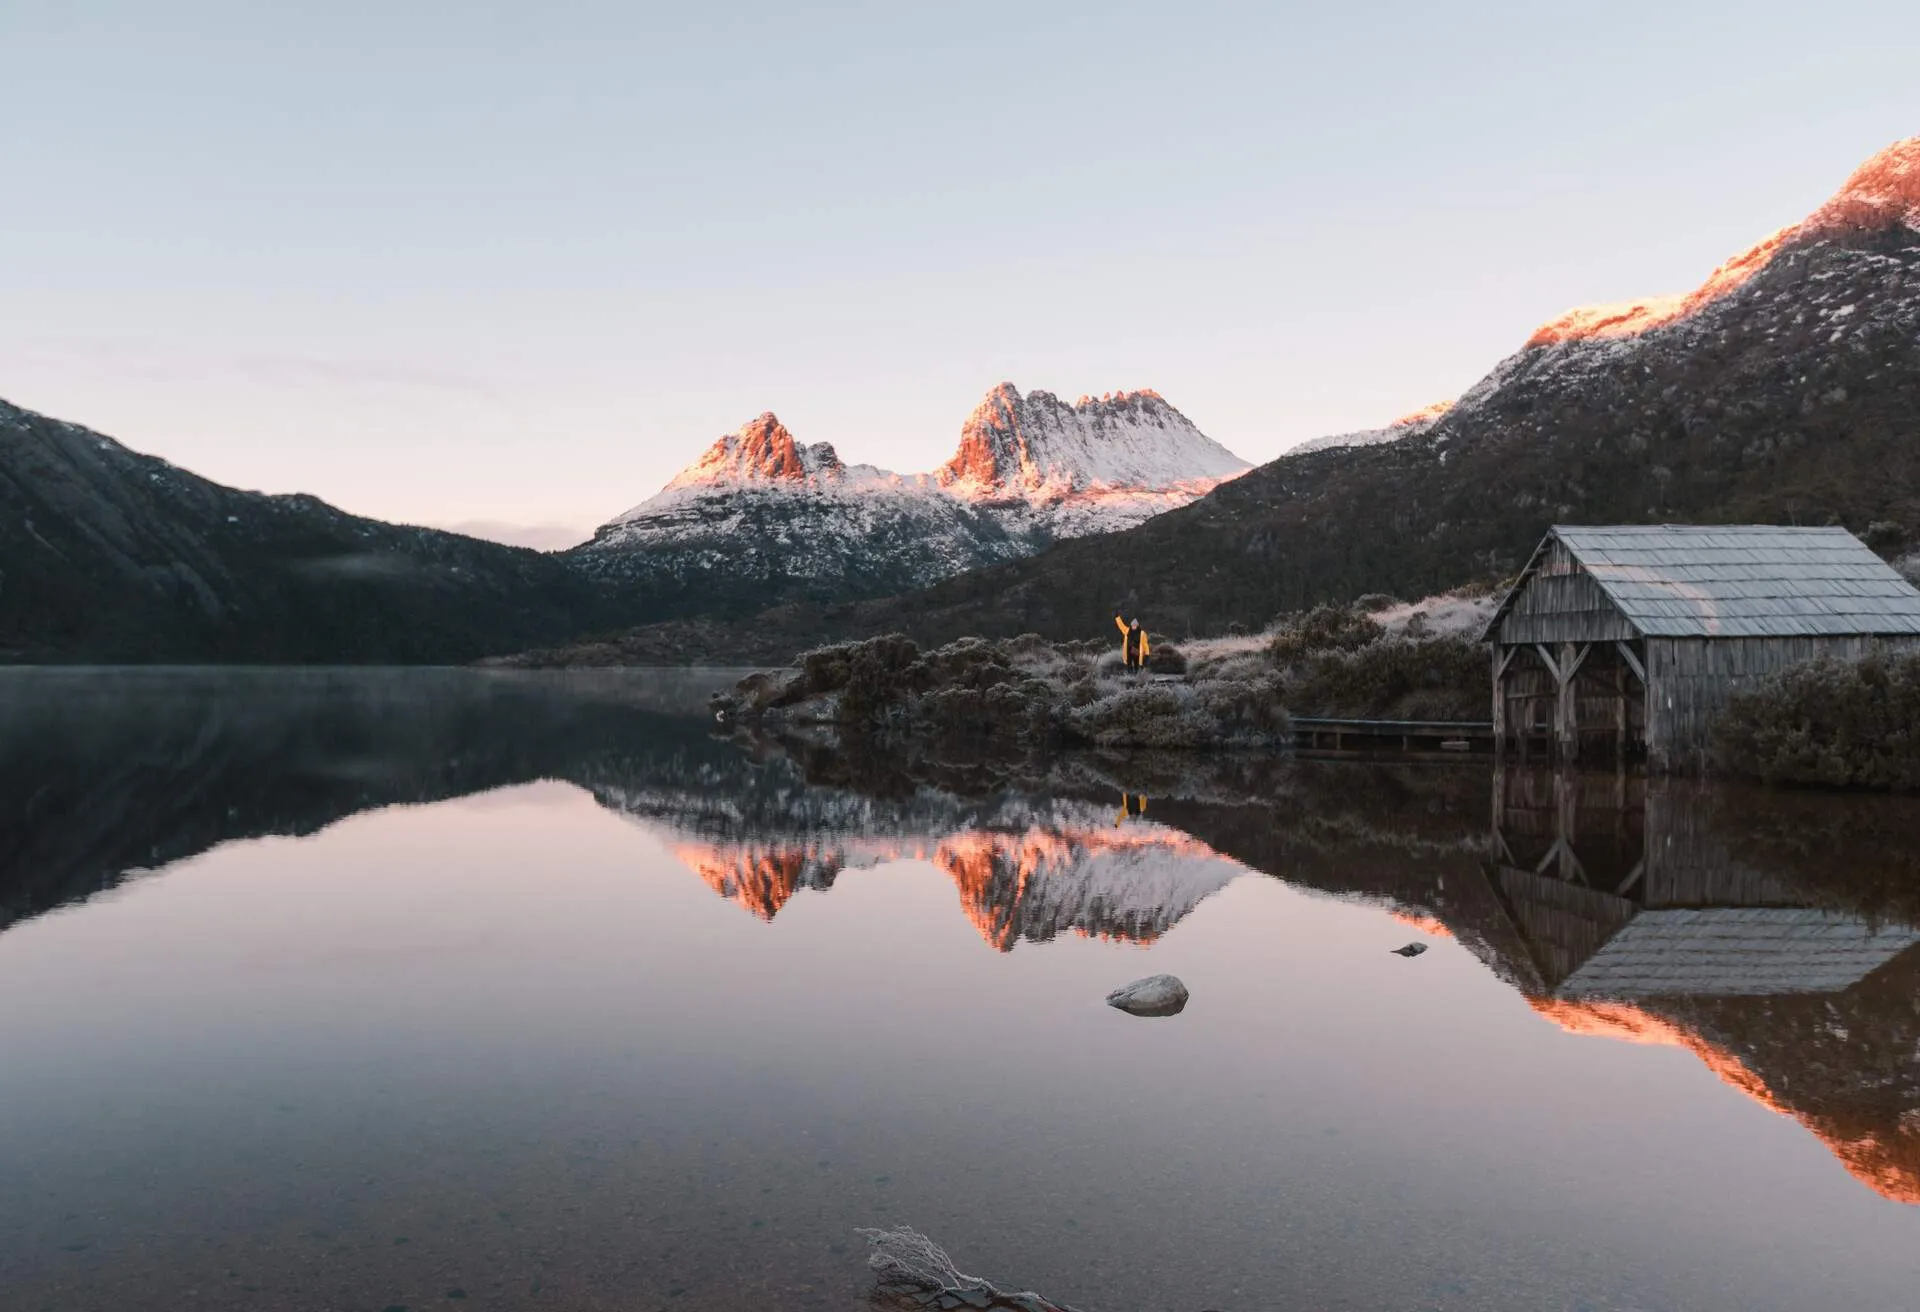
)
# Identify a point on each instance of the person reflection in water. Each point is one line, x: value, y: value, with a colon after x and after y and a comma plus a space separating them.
x: 1133, y: 806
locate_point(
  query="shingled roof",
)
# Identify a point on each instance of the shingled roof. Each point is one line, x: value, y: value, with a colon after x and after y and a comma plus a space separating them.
x: 1737, y: 581
x: 1727, y: 951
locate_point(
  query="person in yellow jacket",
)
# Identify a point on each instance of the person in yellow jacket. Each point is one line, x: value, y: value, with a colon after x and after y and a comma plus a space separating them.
x: 1134, y: 648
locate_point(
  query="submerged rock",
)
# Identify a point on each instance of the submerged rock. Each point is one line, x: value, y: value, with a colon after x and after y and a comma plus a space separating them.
x: 1156, y: 995
x: 914, y: 1272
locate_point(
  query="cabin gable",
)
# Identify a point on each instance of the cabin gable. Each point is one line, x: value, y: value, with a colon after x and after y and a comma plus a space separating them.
x: 1558, y: 600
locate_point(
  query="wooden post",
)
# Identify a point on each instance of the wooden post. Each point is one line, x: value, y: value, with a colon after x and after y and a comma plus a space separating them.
x: 1500, y: 658
x: 1566, y: 710
x: 1639, y: 672
x: 1620, y: 711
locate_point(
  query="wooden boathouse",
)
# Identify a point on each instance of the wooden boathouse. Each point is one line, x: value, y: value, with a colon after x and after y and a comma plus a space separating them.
x: 1622, y: 640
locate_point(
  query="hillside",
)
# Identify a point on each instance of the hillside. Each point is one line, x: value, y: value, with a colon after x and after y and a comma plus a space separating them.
x: 1785, y: 389
x: 110, y: 555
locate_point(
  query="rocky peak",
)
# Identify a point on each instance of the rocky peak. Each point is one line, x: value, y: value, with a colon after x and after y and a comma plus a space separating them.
x: 1038, y: 446
x: 761, y: 451
x: 1881, y: 194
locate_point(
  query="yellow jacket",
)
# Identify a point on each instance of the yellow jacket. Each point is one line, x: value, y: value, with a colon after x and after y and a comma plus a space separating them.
x: 1126, y: 637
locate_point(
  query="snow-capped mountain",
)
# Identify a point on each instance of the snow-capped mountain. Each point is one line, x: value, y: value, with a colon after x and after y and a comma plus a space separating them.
x: 762, y: 518
x: 1877, y: 206
x: 1041, y: 450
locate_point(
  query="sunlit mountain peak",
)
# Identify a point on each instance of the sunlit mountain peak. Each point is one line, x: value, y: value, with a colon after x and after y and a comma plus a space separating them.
x: 1882, y: 193
x: 761, y: 450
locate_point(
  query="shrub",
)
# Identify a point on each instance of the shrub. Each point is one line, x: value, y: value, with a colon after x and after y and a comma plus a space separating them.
x: 825, y: 669
x: 1885, y: 536
x: 1324, y: 628
x: 1392, y: 678
x: 1246, y: 711
x: 1827, y: 721
x: 1148, y: 715
x: 878, y: 681
x: 1166, y: 659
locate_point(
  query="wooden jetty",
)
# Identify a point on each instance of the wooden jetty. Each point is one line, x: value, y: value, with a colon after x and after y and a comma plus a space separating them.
x: 1322, y: 735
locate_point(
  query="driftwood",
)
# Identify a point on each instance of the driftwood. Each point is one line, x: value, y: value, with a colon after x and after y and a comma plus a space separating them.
x: 915, y: 1273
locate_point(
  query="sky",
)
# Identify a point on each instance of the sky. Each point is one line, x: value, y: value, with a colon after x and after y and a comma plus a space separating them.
x: 516, y: 264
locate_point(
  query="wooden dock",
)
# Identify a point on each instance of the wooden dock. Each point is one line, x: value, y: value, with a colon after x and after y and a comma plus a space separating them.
x: 1402, y: 736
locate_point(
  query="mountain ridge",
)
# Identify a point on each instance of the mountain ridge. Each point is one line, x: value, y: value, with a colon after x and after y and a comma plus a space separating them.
x: 107, y: 554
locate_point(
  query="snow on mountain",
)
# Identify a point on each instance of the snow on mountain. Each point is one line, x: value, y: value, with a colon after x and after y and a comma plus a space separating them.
x: 1882, y: 195
x: 1411, y: 425
x: 1039, y: 449
x: 762, y: 452
x: 762, y: 518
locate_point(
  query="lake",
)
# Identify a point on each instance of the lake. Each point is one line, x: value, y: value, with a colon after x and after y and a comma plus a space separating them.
x: 438, y: 989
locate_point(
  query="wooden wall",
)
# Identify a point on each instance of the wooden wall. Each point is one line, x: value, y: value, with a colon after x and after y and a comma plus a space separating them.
x: 1562, y: 603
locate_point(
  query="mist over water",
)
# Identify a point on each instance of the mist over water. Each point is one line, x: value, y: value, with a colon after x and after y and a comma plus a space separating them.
x: 342, y: 990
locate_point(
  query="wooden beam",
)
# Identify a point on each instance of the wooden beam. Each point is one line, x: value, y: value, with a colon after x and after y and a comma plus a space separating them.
x: 1566, y: 707
x: 1546, y: 658
x: 1633, y: 877
x: 1633, y: 662
x: 1501, y: 659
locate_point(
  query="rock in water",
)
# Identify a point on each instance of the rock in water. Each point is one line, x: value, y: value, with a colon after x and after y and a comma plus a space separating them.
x: 1156, y: 995
x: 1410, y: 950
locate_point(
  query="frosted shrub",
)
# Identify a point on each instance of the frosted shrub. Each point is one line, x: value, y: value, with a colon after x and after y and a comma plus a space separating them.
x: 1827, y: 721
x: 1149, y: 715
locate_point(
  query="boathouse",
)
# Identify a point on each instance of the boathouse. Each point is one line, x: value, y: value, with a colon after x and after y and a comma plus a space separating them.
x: 1620, y: 640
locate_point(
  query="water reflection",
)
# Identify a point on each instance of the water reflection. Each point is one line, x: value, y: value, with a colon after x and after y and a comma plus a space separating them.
x: 1773, y: 937
x: 1669, y: 913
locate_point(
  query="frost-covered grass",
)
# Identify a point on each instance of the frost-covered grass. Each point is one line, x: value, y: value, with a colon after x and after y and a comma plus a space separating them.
x: 1451, y: 614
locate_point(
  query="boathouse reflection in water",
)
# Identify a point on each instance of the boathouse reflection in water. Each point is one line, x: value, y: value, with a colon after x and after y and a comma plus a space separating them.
x: 1631, y: 911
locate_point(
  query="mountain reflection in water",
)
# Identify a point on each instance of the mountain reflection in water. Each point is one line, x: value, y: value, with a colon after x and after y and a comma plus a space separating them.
x: 1776, y: 937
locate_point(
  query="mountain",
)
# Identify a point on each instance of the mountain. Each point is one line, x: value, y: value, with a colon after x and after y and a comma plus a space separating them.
x: 762, y: 518
x: 110, y: 555
x: 1785, y: 389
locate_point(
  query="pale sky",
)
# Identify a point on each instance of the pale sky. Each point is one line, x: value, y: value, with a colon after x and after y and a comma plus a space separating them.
x: 444, y: 262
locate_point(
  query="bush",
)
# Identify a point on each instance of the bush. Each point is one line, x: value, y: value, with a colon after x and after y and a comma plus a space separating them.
x: 1166, y: 659
x: 1885, y: 536
x: 879, y: 678
x: 1827, y: 721
x: 1324, y: 628
x: 1148, y: 715
x: 1249, y: 711
x: 1392, y: 679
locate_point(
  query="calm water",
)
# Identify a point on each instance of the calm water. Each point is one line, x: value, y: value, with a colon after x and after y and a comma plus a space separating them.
x: 343, y: 991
